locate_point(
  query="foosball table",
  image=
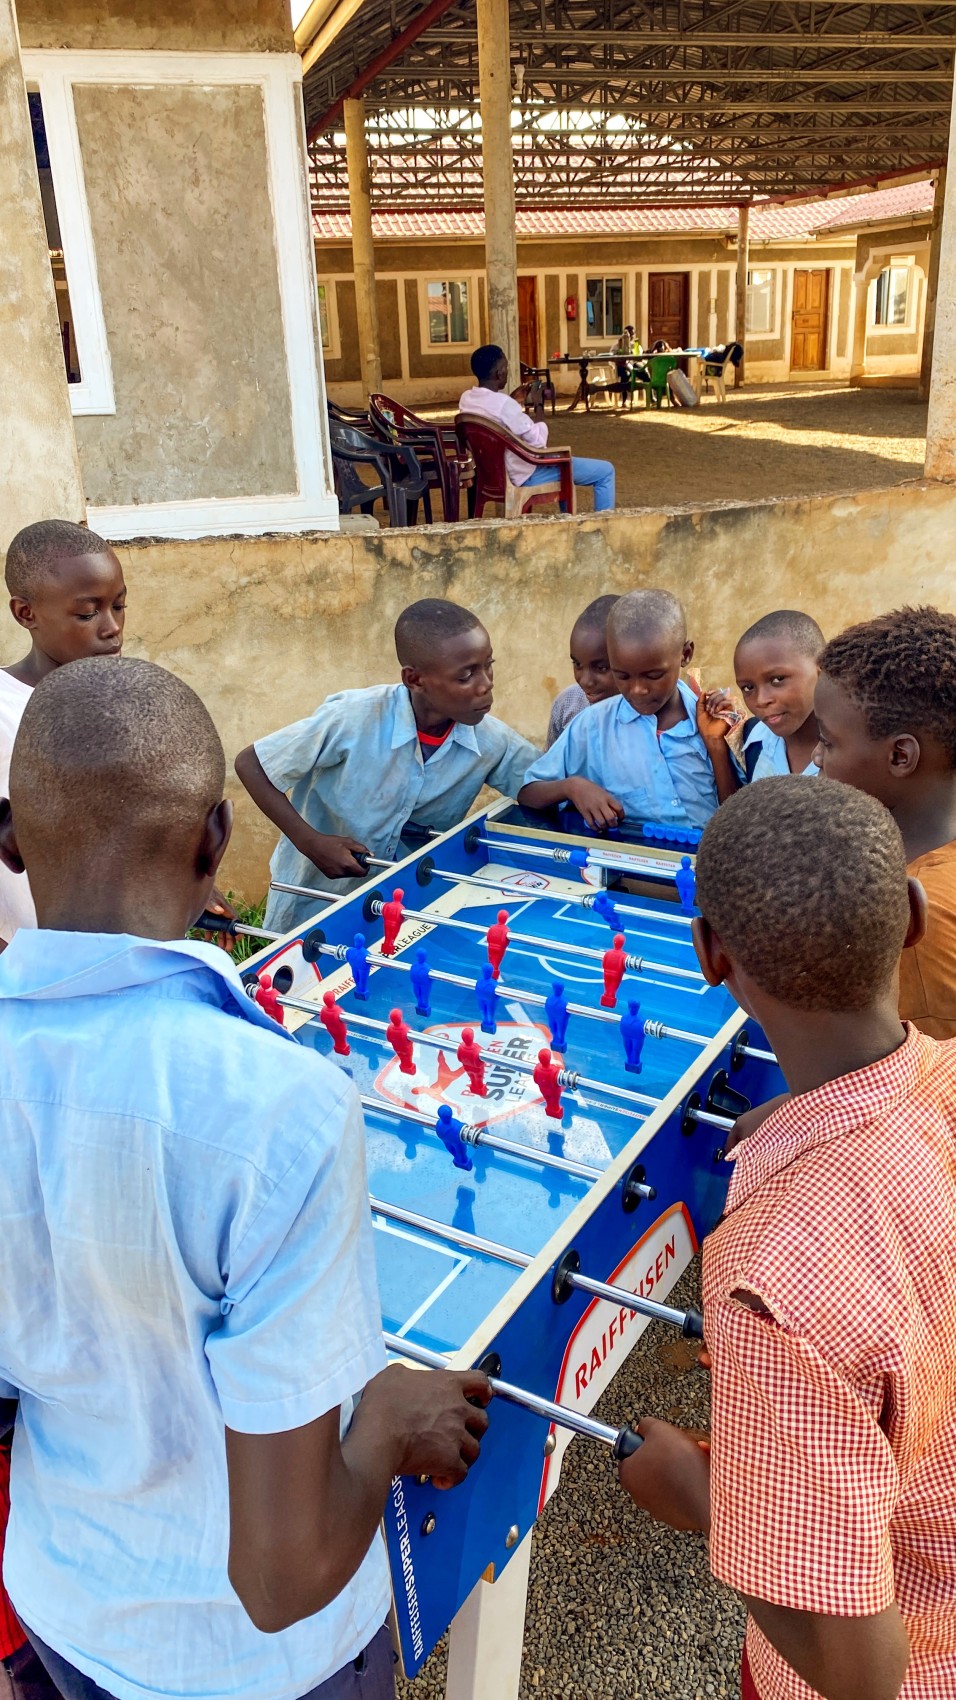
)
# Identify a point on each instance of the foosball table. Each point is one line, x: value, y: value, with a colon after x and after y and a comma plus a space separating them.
x: 547, y: 1082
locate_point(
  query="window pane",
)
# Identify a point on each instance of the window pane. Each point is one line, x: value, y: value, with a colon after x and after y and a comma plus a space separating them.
x: 64, y: 311
x: 613, y: 306
x: 760, y: 305
x: 437, y: 296
x: 594, y: 298
x: 892, y: 287
x: 459, y: 312
x: 324, y: 317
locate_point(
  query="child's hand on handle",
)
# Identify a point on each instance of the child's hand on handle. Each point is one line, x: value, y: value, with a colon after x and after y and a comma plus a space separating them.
x: 333, y: 853
x: 217, y: 904
x: 669, y: 1476
x: 596, y: 805
x: 440, y: 1418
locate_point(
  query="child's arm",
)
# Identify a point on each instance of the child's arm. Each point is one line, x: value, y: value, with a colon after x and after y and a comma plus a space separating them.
x: 592, y: 802
x: 331, y: 853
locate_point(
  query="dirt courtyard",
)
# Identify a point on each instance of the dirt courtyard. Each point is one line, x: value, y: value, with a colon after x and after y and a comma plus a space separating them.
x: 769, y: 440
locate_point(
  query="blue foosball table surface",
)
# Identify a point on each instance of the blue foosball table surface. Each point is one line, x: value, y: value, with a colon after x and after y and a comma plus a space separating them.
x: 474, y: 1261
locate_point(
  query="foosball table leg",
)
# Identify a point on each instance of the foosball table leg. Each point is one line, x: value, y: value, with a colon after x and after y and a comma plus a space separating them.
x: 486, y: 1637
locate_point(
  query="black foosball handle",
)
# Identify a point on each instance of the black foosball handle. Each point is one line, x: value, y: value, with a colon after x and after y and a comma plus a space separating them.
x: 627, y: 1443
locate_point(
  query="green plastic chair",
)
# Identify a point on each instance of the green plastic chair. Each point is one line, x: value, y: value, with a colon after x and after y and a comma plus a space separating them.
x: 658, y: 365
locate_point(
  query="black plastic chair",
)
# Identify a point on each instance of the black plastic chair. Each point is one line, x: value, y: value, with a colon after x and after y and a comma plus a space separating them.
x: 543, y: 374
x: 402, y: 486
x: 351, y: 416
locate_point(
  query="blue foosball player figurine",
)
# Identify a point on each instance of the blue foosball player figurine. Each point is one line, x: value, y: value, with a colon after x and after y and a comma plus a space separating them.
x: 486, y: 993
x: 556, y: 1011
x: 632, y: 1036
x: 686, y: 885
x: 357, y: 958
x: 603, y: 905
x: 421, y: 983
x: 449, y: 1132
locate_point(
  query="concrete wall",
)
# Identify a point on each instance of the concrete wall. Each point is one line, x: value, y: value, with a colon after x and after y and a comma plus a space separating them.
x: 184, y: 233
x: 265, y: 628
x: 236, y: 26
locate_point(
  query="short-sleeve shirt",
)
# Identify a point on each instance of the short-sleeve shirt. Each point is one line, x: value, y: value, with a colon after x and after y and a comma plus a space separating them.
x: 16, y: 901
x: 665, y: 776
x: 833, y: 1459
x: 185, y: 1243
x: 566, y: 705
x: 355, y: 767
x: 771, y: 754
x: 928, y: 971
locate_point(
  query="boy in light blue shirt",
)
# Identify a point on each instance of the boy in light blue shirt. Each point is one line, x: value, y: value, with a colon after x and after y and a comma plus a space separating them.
x: 186, y: 1264
x: 653, y: 752
x: 368, y: 763
x: 776, y: 665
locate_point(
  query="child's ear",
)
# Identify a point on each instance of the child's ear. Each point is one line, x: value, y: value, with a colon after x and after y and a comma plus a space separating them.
x: 714, y: 962
x: 904, y: 755
x: 216, y: 835
x: 411, y: 678
x: 9, y: 851
x: 919, y: 913
x: 687, y: 653
x: 23, y: 613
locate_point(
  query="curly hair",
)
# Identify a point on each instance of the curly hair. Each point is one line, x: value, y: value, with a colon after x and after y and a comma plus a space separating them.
x: 34, y: 549
x: 806, y: 886
x: 900, y: 669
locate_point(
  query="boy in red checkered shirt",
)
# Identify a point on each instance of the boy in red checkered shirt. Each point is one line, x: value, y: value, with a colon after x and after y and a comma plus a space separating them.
x: 829, y: 1484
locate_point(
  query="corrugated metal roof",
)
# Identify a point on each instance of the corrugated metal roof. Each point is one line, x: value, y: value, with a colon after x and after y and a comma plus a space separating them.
x: 768, y: 222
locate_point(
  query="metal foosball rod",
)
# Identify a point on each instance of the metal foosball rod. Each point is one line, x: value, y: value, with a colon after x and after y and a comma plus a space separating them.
x: 653, y: 1029
x: 628, y: 912
x: 568, y: 1079
x: 578, y: 857
x: 569, y: 1276
x: 622, y: 1441
x: 480, y: 1136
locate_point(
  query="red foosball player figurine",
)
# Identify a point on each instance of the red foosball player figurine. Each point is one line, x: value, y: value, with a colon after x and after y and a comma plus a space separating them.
x: 400, y: 1040
x: 614, y: 965
x: 545, y: 1078
x: 498, y: 940
x: 469, y: 1055
x: 333, y: 1021
x: 392, y: 917
x: 268, y: 999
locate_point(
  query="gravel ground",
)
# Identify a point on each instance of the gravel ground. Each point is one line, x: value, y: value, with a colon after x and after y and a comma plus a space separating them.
x: 771, y: 440
x: 620, y: 1608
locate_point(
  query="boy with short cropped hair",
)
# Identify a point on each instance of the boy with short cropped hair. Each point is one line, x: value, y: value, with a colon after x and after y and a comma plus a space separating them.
x: 190, y: 1300
x: 830, y: 1283
x: 886, y: 713
x: 776, y: 665
x: 652, y: 752
x: 67, y: 591
x: 369, y: 763
x: 593, y: 679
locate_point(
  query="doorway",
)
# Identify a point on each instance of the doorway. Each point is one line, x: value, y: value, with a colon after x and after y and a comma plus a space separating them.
x: 528, y: 320
x: 809, y: 321
x: 667, y: 295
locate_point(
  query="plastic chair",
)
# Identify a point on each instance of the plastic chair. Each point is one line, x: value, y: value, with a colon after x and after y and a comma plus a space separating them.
x: 658, y: 367
x: 435, y: 447
x: 602, y: 380
x: 402, y: 484
x: 350, y: 416
x: 488, y: 443
x: 543, y: 373
x: 715, y: 370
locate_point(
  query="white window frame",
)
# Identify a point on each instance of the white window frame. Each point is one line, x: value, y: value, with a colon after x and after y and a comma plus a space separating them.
x: 605, y: 340
x: 907, y: 325
x: 429, y: 347
x: 773, y: 330
x: 312, y: 504
x: 334, y: 350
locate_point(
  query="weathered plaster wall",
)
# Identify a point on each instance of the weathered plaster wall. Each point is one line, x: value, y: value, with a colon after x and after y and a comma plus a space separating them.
x: 185, y: 245
x: 39, y: 471
x: 263, y: 628
x: 236, y: 26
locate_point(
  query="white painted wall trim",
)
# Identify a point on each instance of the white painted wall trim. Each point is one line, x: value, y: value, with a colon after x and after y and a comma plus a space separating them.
x: 312, y: 505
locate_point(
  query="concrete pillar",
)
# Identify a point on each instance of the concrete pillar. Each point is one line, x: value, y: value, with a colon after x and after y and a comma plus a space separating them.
x: 743, y: 266
x: 39, y: 470
x: 363, y: 249
x: 501, y: 253
x: 861, y: 295
x: 932, y: 285
x: 941, y: 422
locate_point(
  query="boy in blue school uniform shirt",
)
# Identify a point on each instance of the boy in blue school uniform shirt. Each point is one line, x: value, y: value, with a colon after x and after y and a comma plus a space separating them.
x: 369, y: 762
x: 654, y: 752
x: 190, y: 1299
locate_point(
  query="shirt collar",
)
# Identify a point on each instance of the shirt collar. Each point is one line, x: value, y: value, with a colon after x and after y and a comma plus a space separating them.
x: 405, y: 727
x: 814, y: 1119
x: 685, y: 728
x: 42, y: 964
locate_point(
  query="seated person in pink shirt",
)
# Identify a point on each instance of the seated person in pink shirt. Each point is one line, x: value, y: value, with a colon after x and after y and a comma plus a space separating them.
x: 490, y: 400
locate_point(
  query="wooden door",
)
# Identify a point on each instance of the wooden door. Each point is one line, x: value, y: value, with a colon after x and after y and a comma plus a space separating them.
x: 811, y: 305
x: 528, y: 320
x: 667, y: 308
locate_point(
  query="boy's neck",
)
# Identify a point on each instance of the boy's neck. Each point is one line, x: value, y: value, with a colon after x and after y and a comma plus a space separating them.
x: 814, y: 1046
x: 802, y: 743
x: 672, y: 712
x: 426, y: 718
x: 926, y: 816
x: 36, y: 664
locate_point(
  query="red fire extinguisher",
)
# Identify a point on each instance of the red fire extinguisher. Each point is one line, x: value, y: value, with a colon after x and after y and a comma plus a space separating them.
x: 570, y: 308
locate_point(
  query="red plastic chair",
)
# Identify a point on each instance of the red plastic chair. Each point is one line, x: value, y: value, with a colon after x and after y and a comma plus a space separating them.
x: 436, y: 449
x: 488, y: 443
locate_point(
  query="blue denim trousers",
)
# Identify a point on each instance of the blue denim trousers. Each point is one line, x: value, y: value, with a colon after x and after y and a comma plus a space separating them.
x: 599, y: 473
